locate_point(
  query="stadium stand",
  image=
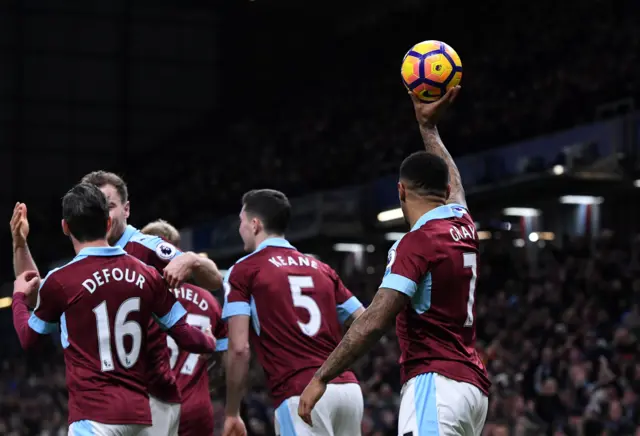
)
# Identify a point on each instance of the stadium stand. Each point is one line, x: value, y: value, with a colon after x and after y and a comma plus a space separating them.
x: 559, y: 331
x: 559, y: 339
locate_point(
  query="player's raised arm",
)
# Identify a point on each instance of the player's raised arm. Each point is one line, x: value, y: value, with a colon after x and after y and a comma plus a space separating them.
x: 47, y: 310
x: 428, y: 116
x: 22, y: 259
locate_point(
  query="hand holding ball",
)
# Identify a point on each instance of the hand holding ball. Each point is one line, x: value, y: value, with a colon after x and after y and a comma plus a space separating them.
x: 430, y: 69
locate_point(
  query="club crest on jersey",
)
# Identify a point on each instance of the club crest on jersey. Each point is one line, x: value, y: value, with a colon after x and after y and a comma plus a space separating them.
x: 166, y: 251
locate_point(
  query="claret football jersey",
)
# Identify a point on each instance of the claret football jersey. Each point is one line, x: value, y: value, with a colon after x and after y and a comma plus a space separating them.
x: 102, y: 302
x: 436, y: 266
x: 156, y: 252
x: 297, y: 305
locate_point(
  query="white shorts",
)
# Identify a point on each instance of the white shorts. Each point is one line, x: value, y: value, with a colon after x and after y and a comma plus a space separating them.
x: 92, y: 428
x: 338, y: 413
x: 165, y: 417
x: 436, y: 405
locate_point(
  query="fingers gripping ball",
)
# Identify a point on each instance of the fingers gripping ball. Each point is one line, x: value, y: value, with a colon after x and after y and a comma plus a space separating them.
x: 430, y: 69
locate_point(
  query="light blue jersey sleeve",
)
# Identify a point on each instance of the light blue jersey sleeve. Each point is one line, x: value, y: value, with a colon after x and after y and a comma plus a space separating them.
x: 222, y: 344
x: 404, y: 270
x: 164, y: 250
x: 172, y: 317
x: 48, y: 310
x: 348, y: 308
x: 237, y: 299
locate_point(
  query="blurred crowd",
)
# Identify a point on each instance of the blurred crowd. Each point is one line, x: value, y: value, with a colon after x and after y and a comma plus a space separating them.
x: 558, y: 334
x: 529, y: 68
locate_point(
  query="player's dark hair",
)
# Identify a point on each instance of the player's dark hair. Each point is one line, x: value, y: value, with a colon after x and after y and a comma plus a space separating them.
x: 425, y: 173
x: 102, y: 178
x: 86, y: 212
x: 272, y: 207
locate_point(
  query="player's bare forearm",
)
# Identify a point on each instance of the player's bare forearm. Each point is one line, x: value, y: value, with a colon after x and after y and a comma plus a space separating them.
x: 363, y: 333
x: 22, y: 260
x: 433, y: 144
x: 237, y: 363
x: 206, y: 273
x: 237, y: 370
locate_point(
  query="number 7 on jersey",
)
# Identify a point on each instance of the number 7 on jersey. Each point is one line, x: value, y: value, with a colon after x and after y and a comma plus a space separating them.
x: 470, y: 261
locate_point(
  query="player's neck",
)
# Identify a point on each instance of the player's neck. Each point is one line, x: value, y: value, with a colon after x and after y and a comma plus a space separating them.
x: 263, y: 237
x: 78, y: 246
x: 417, y: 210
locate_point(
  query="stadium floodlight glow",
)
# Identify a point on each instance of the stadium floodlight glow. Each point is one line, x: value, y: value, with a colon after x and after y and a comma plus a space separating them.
x: 547, y: 236
x: 5, y: 302
x: 534, y: 237
x: 580, y: 199
x: 521, y: 211
x: 347, y: 247
x: 636, y: 183
x: 484, y: 234
x: 558, y: 170
x: 518, y: 243
x: 393, y: 236
x: 390, y: 215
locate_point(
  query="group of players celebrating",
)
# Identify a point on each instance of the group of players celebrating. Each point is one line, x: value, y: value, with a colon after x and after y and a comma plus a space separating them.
x: 134, y: 329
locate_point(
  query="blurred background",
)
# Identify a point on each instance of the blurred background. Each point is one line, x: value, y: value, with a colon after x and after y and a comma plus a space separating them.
x: 195, y: 102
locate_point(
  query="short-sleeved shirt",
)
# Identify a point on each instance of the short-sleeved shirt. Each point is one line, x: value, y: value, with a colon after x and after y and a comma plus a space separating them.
x: 297, y: 305
x: 157, y: 253
x: 102, y: 302
x: 203, y: 310
x: 436, y: 266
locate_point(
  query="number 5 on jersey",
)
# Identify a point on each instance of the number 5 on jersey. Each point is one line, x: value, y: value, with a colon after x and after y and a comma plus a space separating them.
x: 297, y: 284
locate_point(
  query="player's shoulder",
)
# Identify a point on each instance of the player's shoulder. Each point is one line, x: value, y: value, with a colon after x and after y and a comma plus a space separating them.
x: 55, y: 277
x: 69, y: 269
x: 248, y: 263
x: 325, y: 268
x: 138, y: 263
x: 425, y: 235
x: 134, y: 238
x: 415, y: 239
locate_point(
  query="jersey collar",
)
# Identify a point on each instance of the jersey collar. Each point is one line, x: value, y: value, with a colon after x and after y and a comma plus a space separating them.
x: 439, y: 213
x: 129, y: 231
x: 101, y: 251
x: 275, y: 242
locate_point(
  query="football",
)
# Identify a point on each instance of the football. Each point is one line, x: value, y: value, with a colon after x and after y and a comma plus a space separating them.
x: 430, y: 69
